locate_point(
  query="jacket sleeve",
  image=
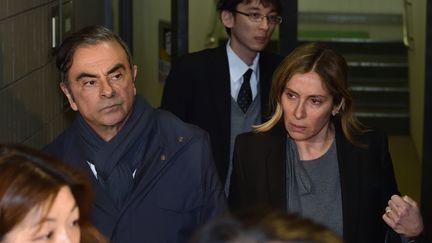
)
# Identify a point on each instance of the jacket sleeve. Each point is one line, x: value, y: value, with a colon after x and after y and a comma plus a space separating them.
x: 389, y: 181
x: 178, y: 91
x: 390, y: 188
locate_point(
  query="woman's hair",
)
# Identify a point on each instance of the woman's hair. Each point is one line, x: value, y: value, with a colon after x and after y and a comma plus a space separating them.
x: 263, y: 226
x: 30, y: 179
x: 331, y: 68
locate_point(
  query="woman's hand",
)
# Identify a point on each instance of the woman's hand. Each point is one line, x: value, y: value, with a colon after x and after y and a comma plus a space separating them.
x: 403, y: 216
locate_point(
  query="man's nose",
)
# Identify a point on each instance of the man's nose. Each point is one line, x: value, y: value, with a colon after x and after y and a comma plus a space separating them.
x: 264, y: 24
x: 107, y: 89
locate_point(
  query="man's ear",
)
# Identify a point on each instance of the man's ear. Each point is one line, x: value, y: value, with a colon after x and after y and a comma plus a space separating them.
x: 134, y: 73
x: 227, y: 18
x: 69, y: 96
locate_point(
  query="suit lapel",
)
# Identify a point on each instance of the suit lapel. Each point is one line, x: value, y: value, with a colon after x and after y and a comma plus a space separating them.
x: 220, y: 102
x: 276, y: 166
x: 221, y: 84
x: 264, y: 81
x: 349, y: 171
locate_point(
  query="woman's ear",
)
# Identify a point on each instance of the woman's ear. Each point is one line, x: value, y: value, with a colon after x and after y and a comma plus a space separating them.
x: 339, y: 107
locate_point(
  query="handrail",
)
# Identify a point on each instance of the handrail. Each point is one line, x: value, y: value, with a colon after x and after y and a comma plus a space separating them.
x: 406, y: 31
x: 211, y: 35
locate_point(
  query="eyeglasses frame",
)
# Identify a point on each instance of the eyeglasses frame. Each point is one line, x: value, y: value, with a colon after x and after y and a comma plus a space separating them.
x: 260, y: 19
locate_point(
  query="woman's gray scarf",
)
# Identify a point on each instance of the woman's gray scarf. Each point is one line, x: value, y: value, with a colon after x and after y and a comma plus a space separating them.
x: 297, y: 180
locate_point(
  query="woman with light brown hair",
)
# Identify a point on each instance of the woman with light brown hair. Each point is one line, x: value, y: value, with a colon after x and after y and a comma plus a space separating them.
x: 42, y: 199
x: 314, y: 157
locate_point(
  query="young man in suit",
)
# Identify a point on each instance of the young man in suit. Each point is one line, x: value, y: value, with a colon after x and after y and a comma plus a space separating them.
x: 225, y: 90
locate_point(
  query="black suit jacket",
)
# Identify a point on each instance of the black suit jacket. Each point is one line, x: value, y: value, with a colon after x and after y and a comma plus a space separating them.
x: 366, y: 178
x: 198, y: 91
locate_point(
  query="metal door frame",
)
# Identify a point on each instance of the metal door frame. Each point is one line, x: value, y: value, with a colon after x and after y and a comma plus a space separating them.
x: 426, y: 189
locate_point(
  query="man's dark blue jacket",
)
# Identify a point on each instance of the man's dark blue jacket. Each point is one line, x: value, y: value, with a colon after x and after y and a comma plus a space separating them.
x: 179, y: 191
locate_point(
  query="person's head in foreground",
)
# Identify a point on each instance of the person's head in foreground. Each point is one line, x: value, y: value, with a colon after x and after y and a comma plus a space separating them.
x: 42, y: 199
x: 264, y: 226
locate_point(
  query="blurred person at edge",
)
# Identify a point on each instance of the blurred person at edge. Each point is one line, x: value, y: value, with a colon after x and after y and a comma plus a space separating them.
x: 315, y: 158
x: 43, y: 200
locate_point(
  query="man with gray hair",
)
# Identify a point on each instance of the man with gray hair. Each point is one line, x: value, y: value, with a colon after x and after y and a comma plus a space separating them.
x: 153, y: 175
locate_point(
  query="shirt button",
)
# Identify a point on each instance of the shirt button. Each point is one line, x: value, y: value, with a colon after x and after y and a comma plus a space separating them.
x: 180, y: 139
x: 163, y: 157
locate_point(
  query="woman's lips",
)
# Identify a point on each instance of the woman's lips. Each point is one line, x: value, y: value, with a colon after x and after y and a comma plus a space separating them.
x: 297, y: 128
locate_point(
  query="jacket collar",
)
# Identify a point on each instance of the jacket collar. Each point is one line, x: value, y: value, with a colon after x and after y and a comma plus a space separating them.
x: 349, y: 167
x: 350, y: 174
x: 169, y: 145
x: 276, y: 166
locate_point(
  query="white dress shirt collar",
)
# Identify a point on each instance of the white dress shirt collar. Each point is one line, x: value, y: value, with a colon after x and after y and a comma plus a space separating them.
x: 237, y: 68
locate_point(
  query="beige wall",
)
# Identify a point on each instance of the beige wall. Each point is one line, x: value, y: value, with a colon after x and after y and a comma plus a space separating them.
x: 145, y: 38
x: 417, y: 28
x: 146, y: 19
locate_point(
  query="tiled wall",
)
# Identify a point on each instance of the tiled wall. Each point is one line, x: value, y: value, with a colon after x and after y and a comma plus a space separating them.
x: 31, y: 110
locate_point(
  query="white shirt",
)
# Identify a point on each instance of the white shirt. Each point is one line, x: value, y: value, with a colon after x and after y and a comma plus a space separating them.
x: 237, y: 68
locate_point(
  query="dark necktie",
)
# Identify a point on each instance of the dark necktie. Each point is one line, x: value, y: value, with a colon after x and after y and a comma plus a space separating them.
x: 244, y: 98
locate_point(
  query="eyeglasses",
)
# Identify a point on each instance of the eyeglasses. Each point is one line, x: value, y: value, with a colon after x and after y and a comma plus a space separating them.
x: 257, y: 17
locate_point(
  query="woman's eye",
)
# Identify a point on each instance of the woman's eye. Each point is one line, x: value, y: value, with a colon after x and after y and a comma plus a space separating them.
x: 316, y: 101
x: 290, y: 95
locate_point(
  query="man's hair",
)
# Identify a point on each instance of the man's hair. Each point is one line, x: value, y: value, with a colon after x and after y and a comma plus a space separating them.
x: 231, y: 5
x: 88, y: 36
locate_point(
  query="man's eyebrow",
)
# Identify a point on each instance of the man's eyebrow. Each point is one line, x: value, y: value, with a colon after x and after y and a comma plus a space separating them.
x: 86, y: 75
x: 253, y: 8
x: 92, y: 75
x: 116, y: 67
